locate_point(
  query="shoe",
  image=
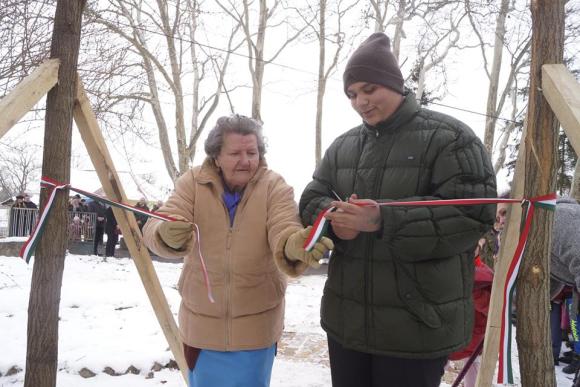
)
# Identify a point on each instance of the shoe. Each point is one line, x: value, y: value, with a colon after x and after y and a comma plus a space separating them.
x: 566, y: 357
x: 573, y: 367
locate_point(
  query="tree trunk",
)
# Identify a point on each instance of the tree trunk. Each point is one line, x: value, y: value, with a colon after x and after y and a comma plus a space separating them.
x: 259, y: 62
x: 533, y: 333
x: 398, y: 35
x: 575, y: 188
x: 43, y: 307
x: 321, y: 82
x: 490, y: 120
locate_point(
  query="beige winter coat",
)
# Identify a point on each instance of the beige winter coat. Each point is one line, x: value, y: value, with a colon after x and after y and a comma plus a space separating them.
x: 242, y: 261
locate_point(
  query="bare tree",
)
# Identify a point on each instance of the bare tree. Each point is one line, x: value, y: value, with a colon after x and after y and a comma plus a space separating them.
x: 25, y: 35
x: 268, y: 18
x: 19, y: 166
x: 435, y: 42
x: 159, y: 44
x: 575, y: 189
x: 328, y: 30
x: 514, y: 40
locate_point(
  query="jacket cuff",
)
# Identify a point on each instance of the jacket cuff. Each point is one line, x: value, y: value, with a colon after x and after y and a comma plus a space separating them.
x: 286, y: 266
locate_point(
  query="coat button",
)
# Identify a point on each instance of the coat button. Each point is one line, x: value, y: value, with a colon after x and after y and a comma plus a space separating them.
x: 408, y: 296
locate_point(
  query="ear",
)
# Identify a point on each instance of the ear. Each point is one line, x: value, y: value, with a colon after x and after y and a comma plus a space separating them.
x: 217, y: 163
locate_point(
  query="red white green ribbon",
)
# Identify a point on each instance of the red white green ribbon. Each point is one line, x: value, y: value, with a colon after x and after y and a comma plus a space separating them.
x: 53, y: 186
x: 547, y: 201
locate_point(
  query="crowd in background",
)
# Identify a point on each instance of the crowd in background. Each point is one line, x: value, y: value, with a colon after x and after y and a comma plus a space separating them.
x: 89, y: 220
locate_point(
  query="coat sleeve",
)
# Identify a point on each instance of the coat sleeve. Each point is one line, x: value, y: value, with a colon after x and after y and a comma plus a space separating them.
x: 179, y: 205
x: 565, y: 240
x: 282, y: 221
x: 317, y: 195
x: 460, y: 169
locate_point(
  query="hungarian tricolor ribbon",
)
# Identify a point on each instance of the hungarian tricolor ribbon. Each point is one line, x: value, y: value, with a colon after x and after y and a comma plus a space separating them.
x: 53, y: 186
x: 547, y: 201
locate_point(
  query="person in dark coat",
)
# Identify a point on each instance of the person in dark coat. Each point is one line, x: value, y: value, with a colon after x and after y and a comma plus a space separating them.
x: 565, y: 271
x: 100, y: 219
x: 112, y: 231
x: 17, y: 217
x: 398, y: 299
x: 141, y: 219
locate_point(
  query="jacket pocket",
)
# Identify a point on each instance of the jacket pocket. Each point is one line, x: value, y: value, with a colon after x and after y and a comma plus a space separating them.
x: 194, y: 295
x: 253, y: 294
x: 413, y: 299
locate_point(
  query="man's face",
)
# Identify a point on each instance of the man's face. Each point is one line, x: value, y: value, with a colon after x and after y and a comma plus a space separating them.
x: 500, y: 216
x: 374, y: 103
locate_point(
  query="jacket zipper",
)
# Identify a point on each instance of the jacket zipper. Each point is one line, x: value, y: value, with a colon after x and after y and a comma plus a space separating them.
x: 229, y: 259
x: 228, y: 287
x: 369, y: 246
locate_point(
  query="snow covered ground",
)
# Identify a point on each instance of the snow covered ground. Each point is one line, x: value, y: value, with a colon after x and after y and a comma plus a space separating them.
x: 107, y: 321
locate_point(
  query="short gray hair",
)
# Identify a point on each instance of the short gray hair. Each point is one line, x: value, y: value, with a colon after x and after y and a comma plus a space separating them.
x: 236, y: 123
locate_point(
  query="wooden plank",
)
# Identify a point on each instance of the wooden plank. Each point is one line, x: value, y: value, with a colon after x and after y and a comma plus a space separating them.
x: 27, y: 93
x: 509, y: 242
x: 98, y: 151
x: 562, y: 92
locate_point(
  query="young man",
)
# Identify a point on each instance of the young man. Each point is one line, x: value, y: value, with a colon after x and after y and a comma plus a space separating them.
x: 398, y: 296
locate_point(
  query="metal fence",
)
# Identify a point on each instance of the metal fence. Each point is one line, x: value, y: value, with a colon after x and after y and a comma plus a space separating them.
x: 20, y: 222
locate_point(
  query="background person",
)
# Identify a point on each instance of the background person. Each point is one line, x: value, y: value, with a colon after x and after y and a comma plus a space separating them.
x: 249, y: 228
x: 398, y: 300
x: 565, y: 270
x: 112, y: 231
x: 100, y: 219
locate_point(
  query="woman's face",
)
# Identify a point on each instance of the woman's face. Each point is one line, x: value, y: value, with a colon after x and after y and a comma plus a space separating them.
x: 238, y: 159
x: 375, y: 103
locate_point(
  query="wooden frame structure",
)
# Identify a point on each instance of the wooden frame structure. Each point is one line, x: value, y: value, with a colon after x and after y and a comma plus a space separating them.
x: 16, y: 104
x: 562, y: 92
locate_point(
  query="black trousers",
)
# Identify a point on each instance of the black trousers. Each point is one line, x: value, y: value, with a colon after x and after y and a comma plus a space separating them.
x: 112, y: 239
x: 351, y: 368
x: 98, y: 239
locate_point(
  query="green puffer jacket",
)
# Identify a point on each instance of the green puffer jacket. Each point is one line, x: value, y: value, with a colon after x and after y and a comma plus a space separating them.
x: 405, y: 291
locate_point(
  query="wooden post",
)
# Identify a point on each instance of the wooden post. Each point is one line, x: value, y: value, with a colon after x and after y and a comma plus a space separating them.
x: 27, y: 93
x: 93, y: 139
x: 562, y: 92
x: 508, y: 247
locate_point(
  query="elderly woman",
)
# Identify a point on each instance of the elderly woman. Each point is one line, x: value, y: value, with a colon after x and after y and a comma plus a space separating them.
x: 249, y: 230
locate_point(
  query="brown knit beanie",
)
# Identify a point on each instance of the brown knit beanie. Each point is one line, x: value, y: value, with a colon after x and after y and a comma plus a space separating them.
x: 374, y: 62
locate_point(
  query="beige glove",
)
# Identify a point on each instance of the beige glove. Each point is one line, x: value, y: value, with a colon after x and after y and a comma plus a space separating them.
x: 294, y: 249
x: 175, y: 234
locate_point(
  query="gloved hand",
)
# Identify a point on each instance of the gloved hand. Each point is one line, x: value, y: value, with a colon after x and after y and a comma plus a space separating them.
x: 175, y: 234
x: 294, y: 249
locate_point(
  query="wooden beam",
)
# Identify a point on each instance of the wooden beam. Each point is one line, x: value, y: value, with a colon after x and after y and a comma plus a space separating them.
x: 509, y: 242
x: 562, y: 92
x: 98, y: 151
x: 27, y: 93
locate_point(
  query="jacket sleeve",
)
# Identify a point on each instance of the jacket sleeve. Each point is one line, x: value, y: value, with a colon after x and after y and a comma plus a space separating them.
x: 565, y: 240
x: 317, y: 194
x: 180, y: 206
x: 282, y: 221
x: 461, y: 168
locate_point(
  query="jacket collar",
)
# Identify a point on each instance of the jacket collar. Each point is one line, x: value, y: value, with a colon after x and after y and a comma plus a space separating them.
x: 403, y: 114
